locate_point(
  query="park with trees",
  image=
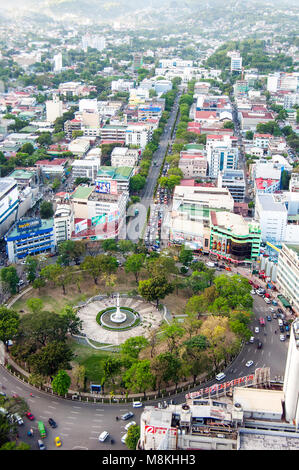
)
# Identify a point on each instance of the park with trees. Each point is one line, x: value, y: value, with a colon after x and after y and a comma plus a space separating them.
x: 208, y: 319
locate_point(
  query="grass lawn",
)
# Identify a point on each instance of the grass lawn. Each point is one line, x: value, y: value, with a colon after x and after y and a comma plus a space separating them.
x: 92, y: 359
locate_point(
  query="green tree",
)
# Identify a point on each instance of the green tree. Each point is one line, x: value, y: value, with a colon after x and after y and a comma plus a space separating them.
x: 137, y: 182
x: 134, y: 264
x: 185, y: 256
x: 155, y: 288
x: 133, y: 436
x: 31, y: 268
x: 61, y: 383
x: 172, y: 334
x: 51, y: 358
x: 9, y: 325
x: 10, y: 277
x: 139, y: 377
x: 34, y: 304
x: 132, y: 346
x: 27, y: 148
x: 46, y: 210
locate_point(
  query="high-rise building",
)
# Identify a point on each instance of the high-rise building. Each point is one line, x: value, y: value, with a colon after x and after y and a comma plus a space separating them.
x: 57, y: 62
x: 288, y: 274
x: 53, y: 109
x: 222, y: 158
x: 137, y: 60
x: 235, y: 62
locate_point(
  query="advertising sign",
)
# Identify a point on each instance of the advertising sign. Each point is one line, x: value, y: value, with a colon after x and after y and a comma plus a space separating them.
x: 98, y: 220
x: 206, y: 392
x: 103, y: 187
x: 159, y: 430
x: 28, y: 224
x: 80, y: 226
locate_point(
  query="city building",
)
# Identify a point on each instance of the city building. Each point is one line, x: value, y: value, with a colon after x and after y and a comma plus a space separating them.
x: 52, y: 168
x: 53, y: 109
x: 222, y: 159
x: 235, y: 62
x: 117, y: 178
x: 193, y: 163
x: 123, y: 156
x: 79, y: 146
x: 189, y: 219
x: 233, y: 238
x: 294, y: 183
x: 29, y: 237
x: 113, y: 133
x: 63, y: 223
x: 70, y: 126
x: 9, y: 203
x: 57, y: 59
x: 288, y: 276
x: 86, y: 168
x: 234, y: 181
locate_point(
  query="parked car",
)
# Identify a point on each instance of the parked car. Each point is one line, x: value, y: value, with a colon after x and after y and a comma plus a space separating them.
x: 259, y: 345
x: 131, y: 423
x: 256, y: 329
x: 124, y: 437
x: 251, y: 339
x: 249, y: 363
x: 29, y: 415
x: 282, y: 337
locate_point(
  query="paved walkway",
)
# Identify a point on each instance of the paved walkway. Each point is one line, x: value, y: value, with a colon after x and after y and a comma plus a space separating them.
x: 151, y: 318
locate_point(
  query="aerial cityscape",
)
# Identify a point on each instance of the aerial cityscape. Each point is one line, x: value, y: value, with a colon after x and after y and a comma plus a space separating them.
x: 149, y: 226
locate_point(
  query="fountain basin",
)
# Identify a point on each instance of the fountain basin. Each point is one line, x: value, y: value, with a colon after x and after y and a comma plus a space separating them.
x: 124, y: 319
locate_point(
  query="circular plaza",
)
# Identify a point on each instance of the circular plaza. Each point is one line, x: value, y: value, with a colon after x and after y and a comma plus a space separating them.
x: 112, y: 320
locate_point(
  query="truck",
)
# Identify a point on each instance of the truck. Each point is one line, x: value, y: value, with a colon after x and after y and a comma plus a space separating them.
x: 42, y: 429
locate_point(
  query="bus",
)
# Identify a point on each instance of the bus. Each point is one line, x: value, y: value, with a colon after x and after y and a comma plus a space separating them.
x: 42, y: 429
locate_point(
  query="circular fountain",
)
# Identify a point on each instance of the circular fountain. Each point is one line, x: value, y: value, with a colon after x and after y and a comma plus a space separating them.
x: 118, y: 318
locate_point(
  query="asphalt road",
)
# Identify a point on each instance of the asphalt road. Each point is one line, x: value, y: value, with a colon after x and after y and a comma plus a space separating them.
x: 137, y: 224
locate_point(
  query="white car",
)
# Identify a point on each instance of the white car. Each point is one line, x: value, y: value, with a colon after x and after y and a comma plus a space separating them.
x: 272, y: 309
x: 137, y: 404
x: 252, y: 292
x: 249, y: 363
x: 103, y: 436
x: 123, y: 439
x: 131, y: 423
x: 282, y: 338
x: 268, y: 301
x: 256, y: 329
x: 210, y: 264
x: 251, y: 339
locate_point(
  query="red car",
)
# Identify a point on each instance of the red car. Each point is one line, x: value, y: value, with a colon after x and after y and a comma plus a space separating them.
x: 29, y: 415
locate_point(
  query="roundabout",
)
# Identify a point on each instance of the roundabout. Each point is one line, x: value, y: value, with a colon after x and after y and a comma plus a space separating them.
x: 113, y: 320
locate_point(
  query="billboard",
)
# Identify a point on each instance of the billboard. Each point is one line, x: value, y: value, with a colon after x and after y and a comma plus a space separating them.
x: 98, y: 220
x: 103, y: 187
x: 80, y: 226
x: 106, y: 187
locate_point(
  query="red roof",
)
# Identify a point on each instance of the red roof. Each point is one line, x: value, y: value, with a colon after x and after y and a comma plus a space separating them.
x: 263, y: 136
x: 205, y: 114
x: 56, y: 161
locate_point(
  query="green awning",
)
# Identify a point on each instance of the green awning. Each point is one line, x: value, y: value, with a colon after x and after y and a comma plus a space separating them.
x: 284, y: 301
